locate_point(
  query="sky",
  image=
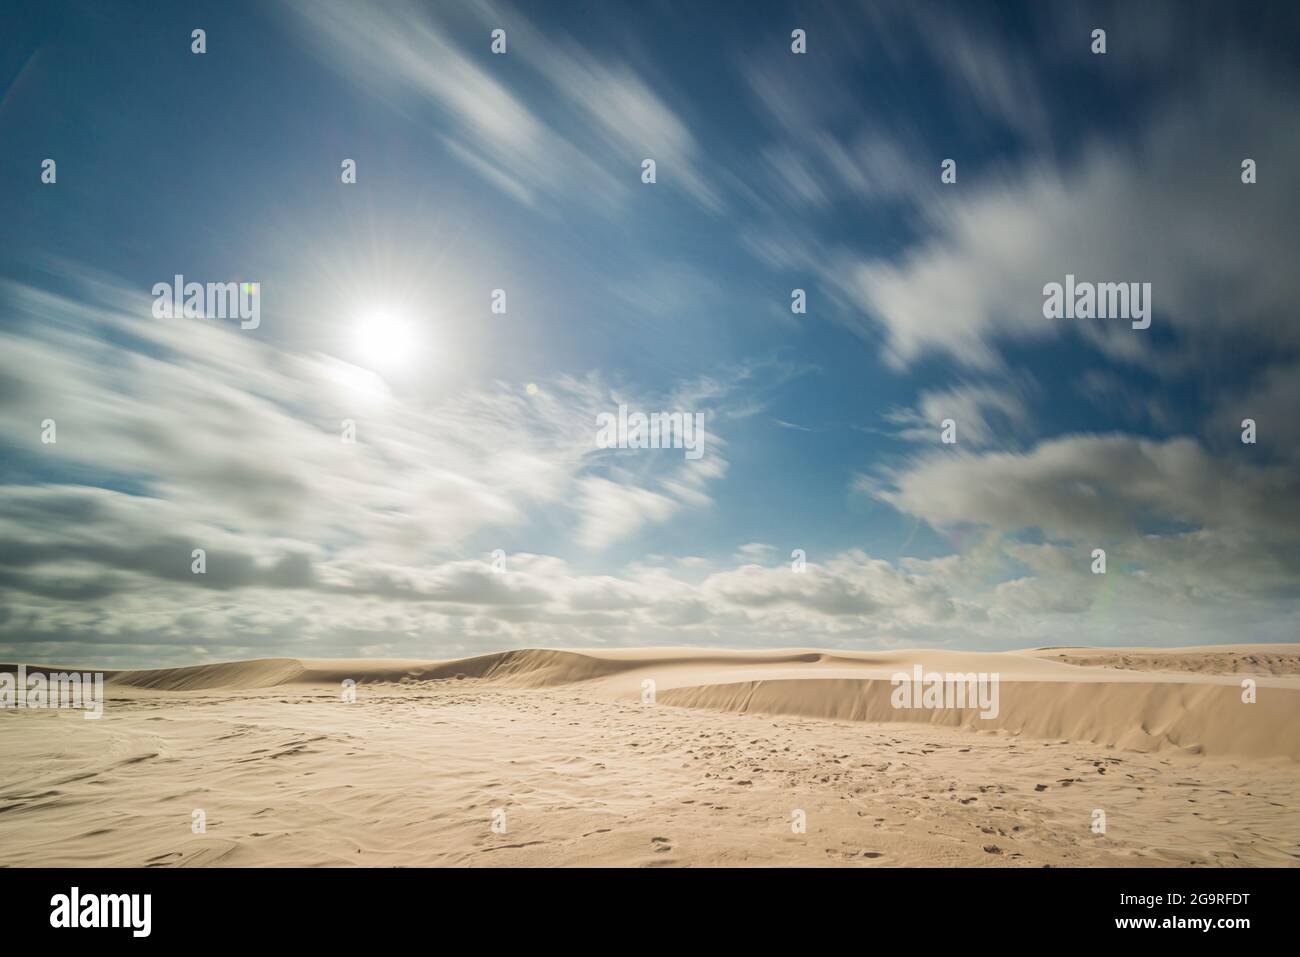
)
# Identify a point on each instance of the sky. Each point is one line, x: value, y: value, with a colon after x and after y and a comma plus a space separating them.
x: 385, y: 465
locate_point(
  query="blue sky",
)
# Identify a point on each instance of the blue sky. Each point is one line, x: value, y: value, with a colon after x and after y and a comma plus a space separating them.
x: 522, y: 171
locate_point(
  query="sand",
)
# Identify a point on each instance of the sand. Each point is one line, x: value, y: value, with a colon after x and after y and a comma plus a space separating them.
x: 557, y: 758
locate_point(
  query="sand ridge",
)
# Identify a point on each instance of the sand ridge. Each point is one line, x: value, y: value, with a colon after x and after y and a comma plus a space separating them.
x: 733, y: 749
x: 1186, y: 699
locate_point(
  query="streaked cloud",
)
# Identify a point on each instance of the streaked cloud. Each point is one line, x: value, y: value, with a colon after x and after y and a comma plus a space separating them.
x: 612, y: 119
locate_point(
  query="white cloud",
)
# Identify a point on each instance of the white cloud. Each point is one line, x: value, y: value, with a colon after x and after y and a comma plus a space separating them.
x: 984, y: 413
x: 612, y: 511
x: 755, y: 552
x: 1167, y: 208
x: 230, y: 432
x: 609, y: 118
x: 1094, y: 486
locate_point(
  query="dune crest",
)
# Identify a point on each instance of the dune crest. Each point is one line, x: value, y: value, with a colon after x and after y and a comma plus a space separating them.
x: 1188, y: 699
x: 656, y: 756
x: 1197, y: 719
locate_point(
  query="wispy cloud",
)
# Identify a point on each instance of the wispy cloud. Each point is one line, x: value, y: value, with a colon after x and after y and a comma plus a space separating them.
x: 601, y: 118
x: 983, y: 412
x: 975, y: 283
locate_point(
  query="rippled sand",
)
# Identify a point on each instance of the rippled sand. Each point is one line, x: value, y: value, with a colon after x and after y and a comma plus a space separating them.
x: 560, y: 758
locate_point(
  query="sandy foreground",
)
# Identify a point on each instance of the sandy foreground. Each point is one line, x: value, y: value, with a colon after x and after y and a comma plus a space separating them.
x: 559, y: 758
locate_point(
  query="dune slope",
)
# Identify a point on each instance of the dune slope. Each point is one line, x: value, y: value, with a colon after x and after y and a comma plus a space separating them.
x: 657, y: 757
x: 1140, y: 699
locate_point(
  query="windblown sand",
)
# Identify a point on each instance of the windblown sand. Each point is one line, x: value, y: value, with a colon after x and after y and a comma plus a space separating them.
x: 561, y: 752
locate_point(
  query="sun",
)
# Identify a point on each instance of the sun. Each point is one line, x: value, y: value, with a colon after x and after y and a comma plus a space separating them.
x: 385, y: 338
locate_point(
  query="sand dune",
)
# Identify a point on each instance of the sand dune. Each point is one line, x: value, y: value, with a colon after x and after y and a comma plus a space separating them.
x: 1046, y: 693
x: 589, y: 767
x: 1217, y: 660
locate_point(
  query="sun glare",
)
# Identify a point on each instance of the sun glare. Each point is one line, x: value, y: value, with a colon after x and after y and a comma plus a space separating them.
x: 385, y: 339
